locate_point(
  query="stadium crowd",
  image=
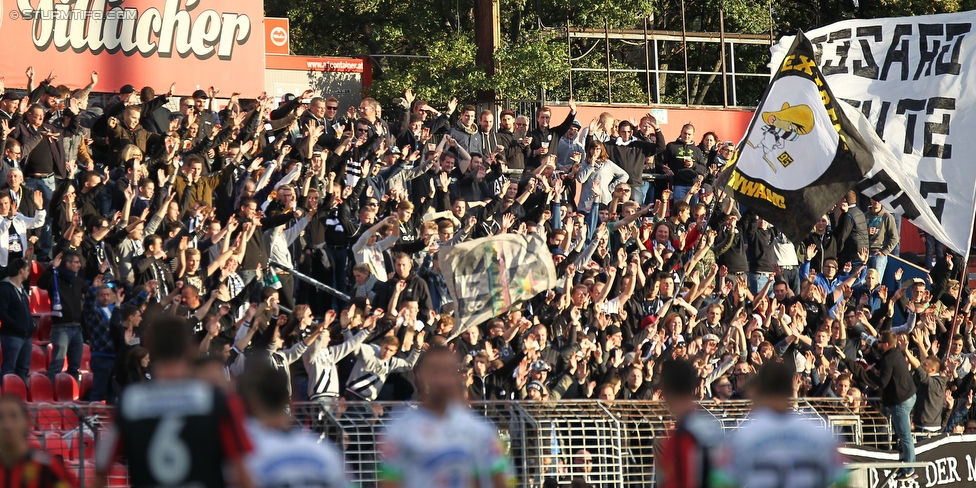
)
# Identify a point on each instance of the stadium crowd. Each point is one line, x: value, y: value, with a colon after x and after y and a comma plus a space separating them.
x: 208, y: 212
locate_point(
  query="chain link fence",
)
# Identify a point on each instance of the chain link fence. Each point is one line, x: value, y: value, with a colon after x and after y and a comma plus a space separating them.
x: 610, y: 444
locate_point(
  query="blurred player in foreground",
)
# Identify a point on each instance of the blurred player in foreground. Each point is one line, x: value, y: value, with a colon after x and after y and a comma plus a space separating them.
x: 21, y: 466
x: 176, y: 430
x: 441, y: 443
x: 686, y: 456
x: 284, y: 456
x: 778, y: 447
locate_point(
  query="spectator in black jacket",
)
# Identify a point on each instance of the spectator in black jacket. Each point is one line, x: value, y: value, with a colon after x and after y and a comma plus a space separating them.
x: 66, y: 334
x: 631, y: 154
x: 545, y: 139
x: 897, y: 388
x: 852, y: 230
x: 15, y: 315
x: 825, y: 241
x: 762, y: 253
x: 404, y: 287
x: 684, y: 163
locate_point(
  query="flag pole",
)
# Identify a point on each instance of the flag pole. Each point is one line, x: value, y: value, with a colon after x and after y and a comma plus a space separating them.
x: 954, y: 328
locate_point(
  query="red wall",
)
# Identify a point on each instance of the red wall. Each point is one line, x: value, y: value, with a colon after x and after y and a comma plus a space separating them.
x: 727, y: 124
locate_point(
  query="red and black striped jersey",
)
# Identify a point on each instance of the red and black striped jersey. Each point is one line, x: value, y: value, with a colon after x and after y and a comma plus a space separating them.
x: 175, y: 433
x: 36, y: 470
x: 685, y: 459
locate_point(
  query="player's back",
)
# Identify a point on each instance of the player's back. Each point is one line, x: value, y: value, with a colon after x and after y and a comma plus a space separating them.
x: 457, y: 450
x: 775, y: 450
x: 293, y: 459
x: 175, y: 433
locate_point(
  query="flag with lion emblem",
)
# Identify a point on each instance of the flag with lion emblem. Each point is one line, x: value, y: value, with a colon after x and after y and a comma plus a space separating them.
x: 801, y: 154
x: 490, y: 276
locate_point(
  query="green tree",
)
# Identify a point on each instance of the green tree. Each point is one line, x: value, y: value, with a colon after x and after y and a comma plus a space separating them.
x: 439, y: 37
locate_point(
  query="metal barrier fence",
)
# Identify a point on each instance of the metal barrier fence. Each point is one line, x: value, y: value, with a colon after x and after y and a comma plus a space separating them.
x: 611, y: 444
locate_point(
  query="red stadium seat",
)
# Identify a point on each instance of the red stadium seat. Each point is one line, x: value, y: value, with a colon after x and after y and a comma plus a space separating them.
x: 41, y: 389
x: 85, y: 358
x: 118, y: 477
x: 47, y: 418
x: 36, y: 270
x: 14, y: 385
x: 74, y: 447
x: 88, y: 467
x: 34, y: 441
x: 40, y: 302
x: 87, y: 381
x: 54, y: 444
x: 69, y: 419
x: 43, y: 331
x: 65, y: 388
x: 38, y: 360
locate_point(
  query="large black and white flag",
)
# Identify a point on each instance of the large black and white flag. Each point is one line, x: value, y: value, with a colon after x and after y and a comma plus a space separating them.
x: 912, y: 78
x: 801, y: 154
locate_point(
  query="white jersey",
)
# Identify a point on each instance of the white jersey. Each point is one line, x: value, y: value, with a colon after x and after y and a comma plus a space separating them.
x: 458, y: 450
x: 293, y: 459
x: 775, y: 450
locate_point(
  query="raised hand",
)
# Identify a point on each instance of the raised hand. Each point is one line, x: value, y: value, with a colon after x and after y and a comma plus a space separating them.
x: 811, y: 251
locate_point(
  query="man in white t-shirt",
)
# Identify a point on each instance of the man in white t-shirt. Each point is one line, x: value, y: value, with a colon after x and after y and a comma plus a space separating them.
x: 284, y: 456
x: 777, y: 447
x: 441, y: 443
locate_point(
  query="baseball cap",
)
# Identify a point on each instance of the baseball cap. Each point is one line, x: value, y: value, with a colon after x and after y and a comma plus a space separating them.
x: 287, y: 97
x: 52, y: 91
x: 199, y: 94
x: 9, y: 95
x: 576, y: 124
x: 535, y: 385
x: 613, y: 329
x: 505, y: 112
x: 707, y: 189
x: 127, y: 89
x: 539, y: 365
x: 710, y: 337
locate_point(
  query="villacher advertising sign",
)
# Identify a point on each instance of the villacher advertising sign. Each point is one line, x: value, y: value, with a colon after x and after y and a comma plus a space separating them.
x: 139, y: 42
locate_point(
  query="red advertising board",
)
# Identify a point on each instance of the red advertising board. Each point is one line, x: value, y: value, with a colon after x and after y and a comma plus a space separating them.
x: 276, y: 36
x: 194, y: 43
